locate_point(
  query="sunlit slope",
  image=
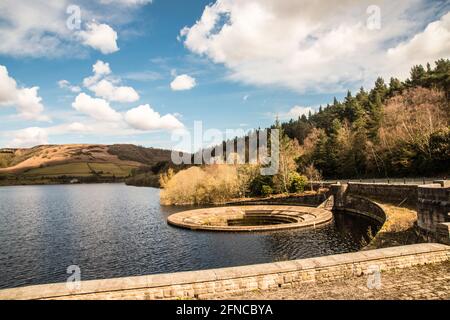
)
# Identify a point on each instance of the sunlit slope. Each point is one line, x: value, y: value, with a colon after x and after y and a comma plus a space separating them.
x: 79, y: 160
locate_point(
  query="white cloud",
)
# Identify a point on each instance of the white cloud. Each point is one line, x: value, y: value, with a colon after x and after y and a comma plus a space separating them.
x: 8, y: 87
x: 316, y: 45
x: 105, y: 87
x: 77, y: 127
x: 64, y: 84
x: 108, y: 91
x: 96, y: 108
x: 144, y: 117
x: 29, y: 137
x: 100, y: 36
x: 430, y: 45
x: 296, y: 112
x: 31, y: 28
x: 183, y: 82
x: 26, y: 100
x: 101, y: 68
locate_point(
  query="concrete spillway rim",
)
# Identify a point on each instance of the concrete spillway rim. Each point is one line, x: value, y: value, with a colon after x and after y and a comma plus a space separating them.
x: 213, y: 219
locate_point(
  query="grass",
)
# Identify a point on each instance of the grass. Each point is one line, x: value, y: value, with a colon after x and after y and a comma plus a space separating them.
x: 110, y: 169
x: 398, y: 228
x: 5, y: 159
x: 73, y: 169
x: 82, y: 169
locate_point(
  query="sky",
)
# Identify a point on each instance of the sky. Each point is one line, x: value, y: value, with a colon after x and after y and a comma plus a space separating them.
x: 143, y: 71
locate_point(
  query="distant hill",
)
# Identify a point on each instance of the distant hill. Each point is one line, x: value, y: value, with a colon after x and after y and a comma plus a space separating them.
x: 85, y: 162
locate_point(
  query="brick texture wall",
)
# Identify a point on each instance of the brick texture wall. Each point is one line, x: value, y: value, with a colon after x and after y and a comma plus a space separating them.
x: 204, y: 283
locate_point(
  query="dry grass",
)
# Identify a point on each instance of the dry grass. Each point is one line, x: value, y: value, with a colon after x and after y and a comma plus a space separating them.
x: 209, y: 185
x: 50, y: 155
x: 398, y: 228
x: 399, y: 218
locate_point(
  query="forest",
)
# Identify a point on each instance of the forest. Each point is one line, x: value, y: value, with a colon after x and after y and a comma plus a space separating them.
x: 395, y: 129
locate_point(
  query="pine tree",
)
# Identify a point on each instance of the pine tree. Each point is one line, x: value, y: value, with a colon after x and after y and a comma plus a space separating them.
x: 380, y: 88
x: 353, y: 109
x: 332, y: 149
x: 417, y: 76
x: 319, y: 154
x: 395, y: 87
x: 358, y: 151
x: 374, y: 117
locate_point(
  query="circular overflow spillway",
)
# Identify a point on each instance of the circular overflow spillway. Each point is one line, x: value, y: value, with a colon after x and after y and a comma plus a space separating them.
x: 251, y: 218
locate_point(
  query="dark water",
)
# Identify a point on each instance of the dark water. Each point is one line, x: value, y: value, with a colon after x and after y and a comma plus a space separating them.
x: 113, y: 230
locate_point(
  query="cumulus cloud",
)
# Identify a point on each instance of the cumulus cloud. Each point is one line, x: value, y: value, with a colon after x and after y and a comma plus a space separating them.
x: 96, y: 108
x: 100, y: 36
x: 26, y: 100
x: 101, y: 120
x: 101, y: 68
x: 316, y: 45
x: 29, y: 137
x: 296, y: 112
x: 77, y: 127
x: 107, y: 90
x: 33, y: 28
x: 183, y: 82
x: 105, y: 87
x: 144, y: 117
x: 431, y: 44
x: 39, y: 28
x: 64, y: 84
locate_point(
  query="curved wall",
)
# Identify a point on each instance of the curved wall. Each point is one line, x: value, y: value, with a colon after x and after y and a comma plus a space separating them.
x: 365, y: 207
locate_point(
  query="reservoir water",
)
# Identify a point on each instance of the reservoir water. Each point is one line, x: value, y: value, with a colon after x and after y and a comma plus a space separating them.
x: 114, y: 230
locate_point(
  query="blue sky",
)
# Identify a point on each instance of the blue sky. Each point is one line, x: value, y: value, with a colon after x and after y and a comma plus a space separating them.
x: 258, y: 60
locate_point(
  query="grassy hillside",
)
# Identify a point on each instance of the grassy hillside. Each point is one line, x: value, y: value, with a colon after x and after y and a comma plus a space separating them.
x: 87, y: 163
x: 82, y: 169
x: 147, y: 156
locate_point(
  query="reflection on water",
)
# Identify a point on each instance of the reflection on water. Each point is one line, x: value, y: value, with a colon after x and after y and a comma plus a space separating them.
x: 113, y: 230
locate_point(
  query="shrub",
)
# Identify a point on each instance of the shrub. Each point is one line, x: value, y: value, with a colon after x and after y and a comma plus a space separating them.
x: 266, y: 190
x: 209, y: 185
x: 257, y: 184
x: 297, y: 182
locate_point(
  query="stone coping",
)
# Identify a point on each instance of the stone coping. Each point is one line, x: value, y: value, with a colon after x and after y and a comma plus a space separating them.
x: 60, y: 290
x: 215, y: 219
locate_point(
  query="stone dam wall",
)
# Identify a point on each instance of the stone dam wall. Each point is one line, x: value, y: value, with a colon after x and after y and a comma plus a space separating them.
x: 396, y: 193
x: 433, y: 206
x: 432, y: 202
x: 206, y: 283
x: 365, y: 207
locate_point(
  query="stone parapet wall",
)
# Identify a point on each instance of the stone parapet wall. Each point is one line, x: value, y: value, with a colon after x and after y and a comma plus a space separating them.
x: 433, y: 206
x: 432, y: 201
x: 206, y: 283
x: 443, y: 233
x: 395, y: 193
x: 364, y: 207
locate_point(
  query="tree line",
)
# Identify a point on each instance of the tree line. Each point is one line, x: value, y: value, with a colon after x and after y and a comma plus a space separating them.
x: 395, y: 129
